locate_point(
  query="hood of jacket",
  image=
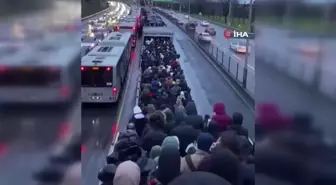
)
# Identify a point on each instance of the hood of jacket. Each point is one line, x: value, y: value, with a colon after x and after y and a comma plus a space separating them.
x: 219, y: 108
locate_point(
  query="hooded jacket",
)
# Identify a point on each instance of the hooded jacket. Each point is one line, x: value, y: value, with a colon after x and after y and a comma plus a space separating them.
x: 220, y: 117
x: 191, y: 109
x: 269, y: 119
x: 186, y: 135
x: 170, y: 120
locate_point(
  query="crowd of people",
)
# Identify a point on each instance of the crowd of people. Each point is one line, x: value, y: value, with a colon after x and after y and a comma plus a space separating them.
x: 166, y: 138
x: 168, y: 142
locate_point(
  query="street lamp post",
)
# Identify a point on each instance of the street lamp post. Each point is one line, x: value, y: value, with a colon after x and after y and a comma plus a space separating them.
x: 230, y: 12
x: 247, y: 46
x: 188, y: 9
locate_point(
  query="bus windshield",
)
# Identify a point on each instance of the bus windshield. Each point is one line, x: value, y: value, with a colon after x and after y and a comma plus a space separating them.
x: 30, y: 76
x: 96, y: 77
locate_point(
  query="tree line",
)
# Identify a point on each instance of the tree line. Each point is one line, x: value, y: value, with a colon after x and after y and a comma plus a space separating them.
x: 219, y: 8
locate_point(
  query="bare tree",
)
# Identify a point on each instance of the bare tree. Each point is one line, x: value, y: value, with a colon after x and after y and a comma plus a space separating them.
x: 227, y: 9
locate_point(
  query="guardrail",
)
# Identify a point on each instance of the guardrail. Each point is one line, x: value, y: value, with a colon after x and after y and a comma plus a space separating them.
x: 223, y: 59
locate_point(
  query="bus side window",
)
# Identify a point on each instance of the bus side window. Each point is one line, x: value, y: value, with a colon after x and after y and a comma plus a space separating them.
x: 119, y: 72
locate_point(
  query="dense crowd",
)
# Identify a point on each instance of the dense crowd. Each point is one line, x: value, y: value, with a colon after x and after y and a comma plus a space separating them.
x: 168, y: 142
x: 167, y: 138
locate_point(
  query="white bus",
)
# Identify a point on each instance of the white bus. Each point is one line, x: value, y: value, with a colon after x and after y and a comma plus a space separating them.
x: 41, y: 74
x: 103, y: 71
x: 119, y: 39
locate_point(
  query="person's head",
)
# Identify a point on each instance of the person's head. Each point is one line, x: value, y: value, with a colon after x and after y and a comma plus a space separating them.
x: 106, y: 174
x: 149, y: 109
x: 172, y: 141
x: 302, y: 122
x: 204, y: 142
x: 169, y: 114
x: 129, y: 135
x: 128, y: 173
x: 155, y: 152
x: 199, y: 178
x: 180, y: 115
x: 229, y: 140
x: 130, y: 126
x: 151, y: 139
x: 156, y: 120
x: 223, y: 163
x: 269, y: 117
x: 168, y: 165
x: 127, y: 150
x: 237, y: 118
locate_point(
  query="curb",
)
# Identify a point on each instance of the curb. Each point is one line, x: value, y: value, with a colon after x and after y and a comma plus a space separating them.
x: 138, y: 89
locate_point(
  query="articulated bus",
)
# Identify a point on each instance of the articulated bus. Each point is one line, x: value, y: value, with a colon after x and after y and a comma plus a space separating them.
x: 41, y: 75
x: 103, y: 71
x: 128, y: 26
x: 119, y: 39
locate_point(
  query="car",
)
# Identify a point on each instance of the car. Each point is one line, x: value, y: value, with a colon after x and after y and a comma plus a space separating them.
x: 205, y: 23
x: 190, y: 26
x: 239, y: 46
x: 205, y: 37
x: 211, y: 31
x: 180, y: 22
x: 193, y: 22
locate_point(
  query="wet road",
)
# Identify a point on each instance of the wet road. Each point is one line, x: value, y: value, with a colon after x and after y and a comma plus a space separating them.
x: 280, y: 49
x: 219, y: 49
x: 97, y: 123
x: 28, y: 136
x: 208, y: 86
x: 222, y: 43
x: 294, y: 54
x: 274, y: 84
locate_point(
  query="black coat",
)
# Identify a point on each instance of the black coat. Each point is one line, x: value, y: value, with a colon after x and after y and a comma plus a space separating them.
x: 186, y: 135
